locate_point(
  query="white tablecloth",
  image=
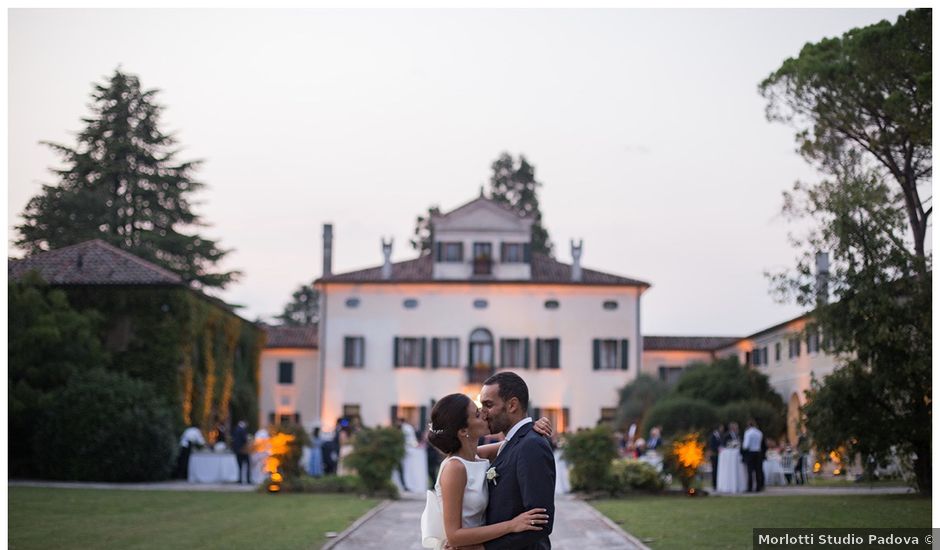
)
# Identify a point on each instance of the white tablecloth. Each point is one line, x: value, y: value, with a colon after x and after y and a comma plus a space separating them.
x: 732, y: 474
x: 415, y: 470
x: 773, y: 472
x: 562, y: 485
x: 213, y: 468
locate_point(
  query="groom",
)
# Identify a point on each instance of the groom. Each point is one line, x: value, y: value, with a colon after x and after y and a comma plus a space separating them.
x: 525, y: 465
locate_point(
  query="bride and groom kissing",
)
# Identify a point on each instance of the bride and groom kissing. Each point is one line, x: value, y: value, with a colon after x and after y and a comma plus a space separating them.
x: 499, y: 496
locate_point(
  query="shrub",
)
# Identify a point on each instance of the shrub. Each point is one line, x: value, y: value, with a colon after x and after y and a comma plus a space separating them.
x: 590, y: 452
x: 327, y: 484
x: 105, y: 426
x: 679, y: 414
x: 289, y: 460
x: 634, y: 475
x: 376, y: 453
x: 770, y: 420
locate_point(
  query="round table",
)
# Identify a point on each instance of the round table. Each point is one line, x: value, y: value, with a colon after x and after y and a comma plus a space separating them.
x: 773, y: 471
x: 732, y: 474
x: 206, y: 467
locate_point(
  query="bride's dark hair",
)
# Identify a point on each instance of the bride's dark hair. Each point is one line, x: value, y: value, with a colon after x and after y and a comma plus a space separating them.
x: 448, y: 417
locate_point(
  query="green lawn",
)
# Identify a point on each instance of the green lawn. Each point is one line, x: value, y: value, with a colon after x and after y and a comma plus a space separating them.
x: 842, y: 482
x: 726, y: 522
x: 88, y: 518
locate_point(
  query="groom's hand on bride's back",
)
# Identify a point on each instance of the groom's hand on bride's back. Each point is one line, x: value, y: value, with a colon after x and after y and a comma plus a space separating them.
x: 543, y: 426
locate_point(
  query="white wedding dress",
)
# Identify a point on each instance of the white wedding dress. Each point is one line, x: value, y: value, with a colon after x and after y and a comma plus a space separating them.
x: 475, y: 498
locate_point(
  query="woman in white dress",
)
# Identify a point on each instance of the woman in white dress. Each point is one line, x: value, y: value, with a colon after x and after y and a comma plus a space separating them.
x: 456, y: 427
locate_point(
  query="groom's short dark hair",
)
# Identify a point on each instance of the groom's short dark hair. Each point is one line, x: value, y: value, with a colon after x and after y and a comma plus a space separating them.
x: 510, y: 385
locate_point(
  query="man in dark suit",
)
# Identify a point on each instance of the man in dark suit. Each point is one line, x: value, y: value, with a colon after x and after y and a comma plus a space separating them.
x: 714, y: 446
x: 242, y: 450
x: 524, y: 467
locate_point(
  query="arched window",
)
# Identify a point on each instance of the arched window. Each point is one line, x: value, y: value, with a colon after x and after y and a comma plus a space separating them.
x: 481, y: 355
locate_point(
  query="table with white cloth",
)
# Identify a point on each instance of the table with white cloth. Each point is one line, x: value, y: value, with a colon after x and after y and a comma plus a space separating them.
x: 773, y: 471
x: 732, y: 474
x: 562, y: 484
x: 206, y: 467
x: 415, y: 469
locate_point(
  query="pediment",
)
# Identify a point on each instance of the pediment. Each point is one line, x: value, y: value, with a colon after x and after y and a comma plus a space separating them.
x: 482, y: 213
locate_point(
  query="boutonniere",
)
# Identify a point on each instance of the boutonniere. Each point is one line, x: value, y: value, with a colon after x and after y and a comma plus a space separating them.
x: 491, y: 475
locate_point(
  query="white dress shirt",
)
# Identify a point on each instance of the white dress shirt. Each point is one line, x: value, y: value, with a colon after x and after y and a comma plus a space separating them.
x: 752, y: 439
x: 513, y: 431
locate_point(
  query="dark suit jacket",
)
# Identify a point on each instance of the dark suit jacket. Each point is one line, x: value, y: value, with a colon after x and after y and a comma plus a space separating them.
x: 714, y: 443
x: 525, y: 480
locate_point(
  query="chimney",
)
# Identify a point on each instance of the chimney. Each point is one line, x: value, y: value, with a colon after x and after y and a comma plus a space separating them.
x: 327, y: 249
x: 822, y: 278
x: 576, y: 259
x: 387, y: 252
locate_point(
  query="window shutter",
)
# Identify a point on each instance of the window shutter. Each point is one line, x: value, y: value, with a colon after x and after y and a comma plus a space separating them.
x: 537, y: 413
x: 557, y: 356
x: 624, y: 354
x: 423, y: 418
x: 597, y: 354
x: 395, y: 352
x: 538, y: 353
x: 502, y: 253
x: 394, y: 414
x: 423, y: 361
x: 460, y: 253
x: 438, y: 252
x: 527, y: 253
x: 362, y: 352
x: 502, y: 353
x: 435, y: 346
x: 525, y: 358
x: 565, y: 420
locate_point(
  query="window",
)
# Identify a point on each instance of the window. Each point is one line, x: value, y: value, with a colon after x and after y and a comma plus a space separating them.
x: 352, y: 302
x: 514, y: 353
x: 794, y: 346
x: 283, y: 418
x: 551, y: 304
x: 611, y: 305
x: 285, y: 372
x: 670, y: 375
x: 480, y: 304
x: 608, y: 415
x: 354, y: 351
x: 351, y: 412
x: 812, y: 340
x: 547, y: 353
x: 482, y: 258
x: 410, y: 303
x: 512, y: 253
x: 409, y: 352
x: 445, y: 352
x: 449, y: 252
x: 611, y: 354
x: 557, y: 416
x: 777, y: 347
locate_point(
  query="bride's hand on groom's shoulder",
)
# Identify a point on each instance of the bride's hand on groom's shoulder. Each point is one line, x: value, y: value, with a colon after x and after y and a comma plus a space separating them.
x: 543, y: 426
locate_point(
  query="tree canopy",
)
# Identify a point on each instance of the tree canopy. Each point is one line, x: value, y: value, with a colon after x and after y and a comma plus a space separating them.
x: 123, y: 184
x: 863, y: 103
x: 303, y: 309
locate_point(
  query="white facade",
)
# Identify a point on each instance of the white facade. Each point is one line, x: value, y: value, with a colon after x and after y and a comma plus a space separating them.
x: 447, y: 311
x: 280, y: 398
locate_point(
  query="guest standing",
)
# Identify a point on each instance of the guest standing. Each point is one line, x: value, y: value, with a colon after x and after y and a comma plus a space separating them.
x: 191, y: 437
x: 242, y: 447
x: 753, y: 449
x: 714, y: 447
x: 315, y: 468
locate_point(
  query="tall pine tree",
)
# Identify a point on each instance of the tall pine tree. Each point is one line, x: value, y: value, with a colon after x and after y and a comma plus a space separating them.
x: 123, y: 184
x: 513, y: 184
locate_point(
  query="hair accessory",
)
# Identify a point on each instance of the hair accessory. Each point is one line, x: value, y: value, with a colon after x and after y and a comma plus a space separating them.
x: 432, y: 430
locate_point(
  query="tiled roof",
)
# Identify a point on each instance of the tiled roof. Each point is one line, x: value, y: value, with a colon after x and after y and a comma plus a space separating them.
x: 687, y: 343
x: 92, y: 262
x: 291, y: 337
x: 544, y: 270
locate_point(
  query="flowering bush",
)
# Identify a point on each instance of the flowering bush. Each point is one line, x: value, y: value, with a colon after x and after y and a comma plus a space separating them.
x: 634, y: 475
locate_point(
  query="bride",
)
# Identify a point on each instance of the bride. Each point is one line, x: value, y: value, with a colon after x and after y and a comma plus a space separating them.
x: 456, y: 427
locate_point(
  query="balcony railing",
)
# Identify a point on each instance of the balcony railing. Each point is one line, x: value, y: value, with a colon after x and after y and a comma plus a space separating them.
x: 477, y: 374
x: 482, y: 266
